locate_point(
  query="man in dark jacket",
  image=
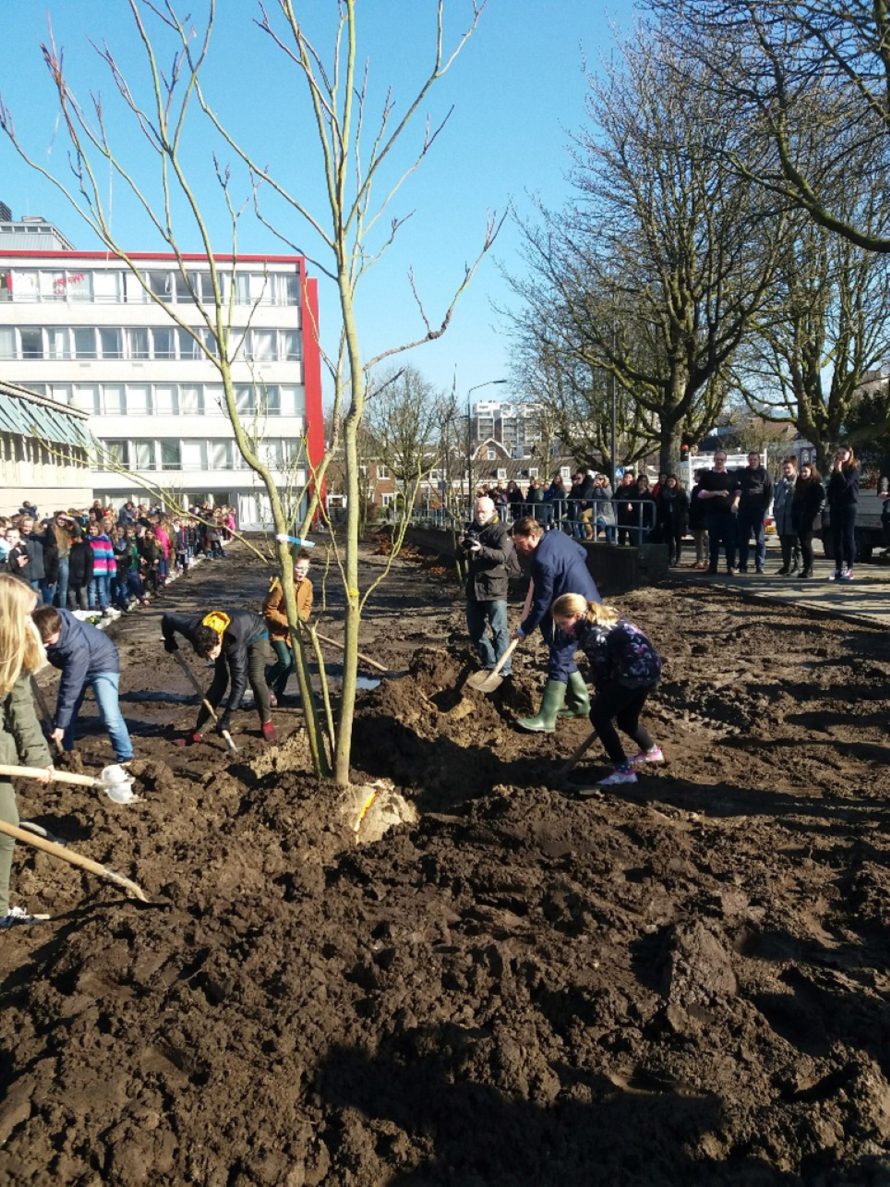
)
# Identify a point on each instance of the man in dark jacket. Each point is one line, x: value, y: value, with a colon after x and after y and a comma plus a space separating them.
x: 755, y: 496
x: 238, y: 642
x: 87, y: 658
x: 558, y: 566
x: 489, y: 548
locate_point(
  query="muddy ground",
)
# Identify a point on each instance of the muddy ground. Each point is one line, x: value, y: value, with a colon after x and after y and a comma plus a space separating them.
x: 683, y: 982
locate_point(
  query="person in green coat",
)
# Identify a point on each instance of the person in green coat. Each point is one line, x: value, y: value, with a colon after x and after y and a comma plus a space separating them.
x: 21, y: 740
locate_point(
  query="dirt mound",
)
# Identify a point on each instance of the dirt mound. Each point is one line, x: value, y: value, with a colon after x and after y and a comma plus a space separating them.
x: 683, y: 984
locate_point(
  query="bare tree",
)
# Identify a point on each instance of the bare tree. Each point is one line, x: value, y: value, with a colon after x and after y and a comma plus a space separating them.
x: 659, y: 267
x: 799, y: 70
x: 357, y: 161
x: 826, y: 326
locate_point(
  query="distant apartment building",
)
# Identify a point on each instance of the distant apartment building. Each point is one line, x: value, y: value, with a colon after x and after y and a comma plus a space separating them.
x: 78, y: 328
x: 514, y: 426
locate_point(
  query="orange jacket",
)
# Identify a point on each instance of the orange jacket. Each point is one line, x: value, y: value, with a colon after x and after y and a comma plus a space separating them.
x: 274, y: 610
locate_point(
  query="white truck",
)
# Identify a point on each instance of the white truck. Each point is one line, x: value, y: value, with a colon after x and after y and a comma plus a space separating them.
x: 872, y: 527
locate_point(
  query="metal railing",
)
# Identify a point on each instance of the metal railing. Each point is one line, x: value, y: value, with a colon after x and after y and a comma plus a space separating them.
x: 582, y: 521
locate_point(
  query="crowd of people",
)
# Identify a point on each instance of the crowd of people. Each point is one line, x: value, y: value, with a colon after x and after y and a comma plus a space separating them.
x: 103, y: 561
x: 725, y: 511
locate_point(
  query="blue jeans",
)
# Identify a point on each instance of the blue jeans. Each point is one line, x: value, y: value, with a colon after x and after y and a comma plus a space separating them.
x: 105, y: 689
x: 495, y: 615
x: 748, y: 523
x: 62, y: 583
x: 99, y: 592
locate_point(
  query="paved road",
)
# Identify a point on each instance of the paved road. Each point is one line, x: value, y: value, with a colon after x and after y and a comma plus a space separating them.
x: 865, y: 599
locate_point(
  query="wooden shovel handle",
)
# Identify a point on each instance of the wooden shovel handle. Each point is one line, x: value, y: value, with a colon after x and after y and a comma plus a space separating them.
x: 497, y: 667
x: 364, y: 658
x: 58, y: 776
x: 193, y: 680
x: 74, y: 859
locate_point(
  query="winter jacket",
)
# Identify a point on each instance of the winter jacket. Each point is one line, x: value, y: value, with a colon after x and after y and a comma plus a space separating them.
x: 783, y: 496
x: 671, y: 511
x: 36, y: 568
x: 806, y: 506
x: 103, y: 555
x: 80, y: 564
x: 487, y: 568
x: 559, y: 566
x: 697, y: 510
x: 274, y: 610
x: 21, y: 738
x: 603, y: 507
x: 81, y: 653
x: 756, y: 488
x: 245, y: 628
x: 619, y: 654
x: 843, y: 487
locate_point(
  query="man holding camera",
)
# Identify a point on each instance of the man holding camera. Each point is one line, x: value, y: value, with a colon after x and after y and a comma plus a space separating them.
x: 488, y: 546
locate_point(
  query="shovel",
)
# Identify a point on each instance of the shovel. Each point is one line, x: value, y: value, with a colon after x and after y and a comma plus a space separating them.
x: 114, y: 780
x: 488, y: 681
x: 372, y: 663
x: 576, y: 757
x: 183, y: 663
x: 45, y: 714
x: 74, y: 859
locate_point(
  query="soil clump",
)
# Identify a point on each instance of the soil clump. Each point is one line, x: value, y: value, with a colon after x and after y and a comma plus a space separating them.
x: 504, y: 985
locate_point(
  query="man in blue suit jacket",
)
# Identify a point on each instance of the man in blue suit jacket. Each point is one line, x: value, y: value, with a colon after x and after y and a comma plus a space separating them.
x: 558, y: 566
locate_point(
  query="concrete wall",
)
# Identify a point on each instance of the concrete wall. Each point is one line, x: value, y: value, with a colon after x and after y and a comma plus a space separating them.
x: 614, y: 569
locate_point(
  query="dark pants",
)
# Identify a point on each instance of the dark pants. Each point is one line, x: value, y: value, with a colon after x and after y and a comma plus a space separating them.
x: 791, y: 550
x: 843, y: 536
x: 750, y: 522
x: 561, y: 662
x: 277, y: 675
x: 624, y: 705
x: 806, y: 550
x: 259, y: 656
x: 721, y: 530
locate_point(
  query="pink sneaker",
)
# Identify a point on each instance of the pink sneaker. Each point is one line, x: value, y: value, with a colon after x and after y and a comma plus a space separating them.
x: 619, y: 775
x: 653, y: 755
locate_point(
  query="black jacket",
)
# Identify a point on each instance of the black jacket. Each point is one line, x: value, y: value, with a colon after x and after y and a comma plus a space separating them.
x: 80, y: 564
x: 806, y: 506
x: 756, y: 488
x: 244, y: 630
x: 488, y: 576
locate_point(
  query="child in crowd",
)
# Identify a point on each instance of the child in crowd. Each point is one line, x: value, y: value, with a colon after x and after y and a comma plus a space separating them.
x: 624, y: 667
x: 87, y: 658
x: 80, y: 571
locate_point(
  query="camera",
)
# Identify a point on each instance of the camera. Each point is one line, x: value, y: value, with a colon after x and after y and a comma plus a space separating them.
x: 469, y: 538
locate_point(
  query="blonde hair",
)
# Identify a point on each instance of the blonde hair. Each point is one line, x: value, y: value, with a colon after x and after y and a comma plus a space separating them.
x: 594, y: 612
x: 20, y: 645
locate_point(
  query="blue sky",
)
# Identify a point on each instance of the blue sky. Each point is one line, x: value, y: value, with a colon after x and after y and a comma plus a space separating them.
x: 517, y: 91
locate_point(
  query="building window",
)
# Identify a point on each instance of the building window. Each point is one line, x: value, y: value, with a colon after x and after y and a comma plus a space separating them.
x: 163, y: 343
x: 289, y: 346
x: 160, y: 284
x: 143, y: 455
x: 502, y: 475
x: 84, y: 342
x: 533, y: 473
x: 113, y: 399
x: 110, y: 342
x: 138, y: 403
x: 171, y: 455
x: 188, y: 347
x: 194, y: 454
x: 137, y: 342
x: 165, y: 399
x: 107, y: 286
x: 32, y: 342
x: 7, y: 342
x: 190, y: 401
x: 219, y: 455
x: 490, y: 455
x: 382, y: 472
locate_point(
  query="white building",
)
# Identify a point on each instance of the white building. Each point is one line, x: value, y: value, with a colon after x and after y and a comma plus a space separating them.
x: 79, y: 328
x: 515, y: 426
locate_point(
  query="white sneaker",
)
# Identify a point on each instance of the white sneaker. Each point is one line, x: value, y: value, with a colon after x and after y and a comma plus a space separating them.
x: 619, y: 775
x: 653, y: 755
x: 18, y: 915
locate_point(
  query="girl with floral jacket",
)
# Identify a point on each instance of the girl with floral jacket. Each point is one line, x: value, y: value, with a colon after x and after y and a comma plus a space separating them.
x: 624, y: 668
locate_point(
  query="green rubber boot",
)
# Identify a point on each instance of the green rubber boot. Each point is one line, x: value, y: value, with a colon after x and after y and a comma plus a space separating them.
x: 577, y: 697
x: 545, y: 721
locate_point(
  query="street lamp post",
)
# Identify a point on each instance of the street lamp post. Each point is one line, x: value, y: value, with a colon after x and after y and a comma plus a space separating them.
x: 488, y: 383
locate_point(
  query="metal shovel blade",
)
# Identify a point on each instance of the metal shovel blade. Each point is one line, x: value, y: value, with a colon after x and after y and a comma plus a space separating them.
x: 117, y: 784
x: 489, y: 681
x: 485, y: 681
